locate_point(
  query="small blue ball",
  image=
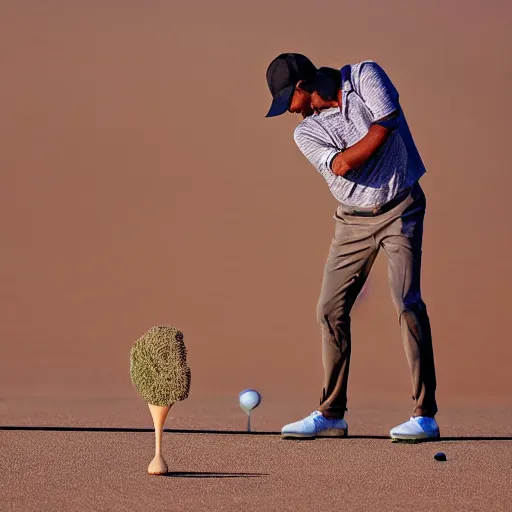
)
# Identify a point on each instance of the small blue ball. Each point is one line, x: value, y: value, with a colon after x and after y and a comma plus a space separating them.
x: 441, y: 456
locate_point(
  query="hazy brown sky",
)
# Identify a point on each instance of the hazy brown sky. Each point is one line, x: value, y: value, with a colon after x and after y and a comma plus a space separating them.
x: 142, y: 185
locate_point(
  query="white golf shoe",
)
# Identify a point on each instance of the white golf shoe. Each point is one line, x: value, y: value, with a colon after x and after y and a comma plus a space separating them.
x: 418, y: 428
x: 315, y: 425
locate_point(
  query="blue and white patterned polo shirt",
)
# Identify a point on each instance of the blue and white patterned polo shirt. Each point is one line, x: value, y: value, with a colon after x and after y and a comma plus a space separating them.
x: 368, y: 96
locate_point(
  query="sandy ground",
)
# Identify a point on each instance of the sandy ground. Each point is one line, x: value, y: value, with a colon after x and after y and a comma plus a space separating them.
x: 99, y: 471
x: 80, y: 462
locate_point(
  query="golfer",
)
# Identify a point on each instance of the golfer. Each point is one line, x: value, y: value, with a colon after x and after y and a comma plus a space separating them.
x: 355, y: 134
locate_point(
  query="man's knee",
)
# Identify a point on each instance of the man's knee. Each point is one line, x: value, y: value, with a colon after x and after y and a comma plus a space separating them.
x: 332, y: 315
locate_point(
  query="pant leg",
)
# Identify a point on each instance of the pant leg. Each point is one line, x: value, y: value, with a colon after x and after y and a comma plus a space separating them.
x: 351, y: 256
x: 402, y: 242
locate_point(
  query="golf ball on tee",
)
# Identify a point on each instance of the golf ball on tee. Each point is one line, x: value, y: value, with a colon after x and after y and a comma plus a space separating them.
x: 249, y: 399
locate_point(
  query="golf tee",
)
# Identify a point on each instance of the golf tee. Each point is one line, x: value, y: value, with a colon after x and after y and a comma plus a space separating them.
x: 159, y: 415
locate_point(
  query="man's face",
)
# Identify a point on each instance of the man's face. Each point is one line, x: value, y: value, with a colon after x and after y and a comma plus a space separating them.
x: 301, y: 103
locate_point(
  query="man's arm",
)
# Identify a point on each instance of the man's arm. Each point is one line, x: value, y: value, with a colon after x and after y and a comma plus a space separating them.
x: 315, y: 148
x: 325, y: 156
x: 358, y: 154
x: 381, y: 97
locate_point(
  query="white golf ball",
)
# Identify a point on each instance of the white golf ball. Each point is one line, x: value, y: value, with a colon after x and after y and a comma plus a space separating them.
x: 249, y: 399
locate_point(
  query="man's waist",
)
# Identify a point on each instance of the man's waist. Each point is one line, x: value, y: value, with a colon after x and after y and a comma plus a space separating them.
x: 373, y: 211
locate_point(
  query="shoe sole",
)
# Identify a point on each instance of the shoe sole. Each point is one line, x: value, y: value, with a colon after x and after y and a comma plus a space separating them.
x: 331, y: 432
x: 414, y: 440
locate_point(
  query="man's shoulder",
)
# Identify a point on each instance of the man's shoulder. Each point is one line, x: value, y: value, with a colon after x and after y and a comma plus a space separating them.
x: 362, y: 63
x: 369, y: 73
x: 366, y: 66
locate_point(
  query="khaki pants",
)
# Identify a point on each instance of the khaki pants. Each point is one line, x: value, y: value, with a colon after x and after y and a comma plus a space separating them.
x: 356, y: 242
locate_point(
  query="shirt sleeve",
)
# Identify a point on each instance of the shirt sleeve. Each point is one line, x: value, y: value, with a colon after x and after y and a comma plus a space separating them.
x: 319, y: 152
x: 377, y: 91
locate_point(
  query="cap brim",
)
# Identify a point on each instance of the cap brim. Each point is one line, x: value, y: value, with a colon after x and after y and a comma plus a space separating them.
x: 281, y: 101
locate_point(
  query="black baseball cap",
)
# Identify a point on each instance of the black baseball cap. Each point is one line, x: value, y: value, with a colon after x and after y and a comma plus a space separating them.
x: 283, y: 74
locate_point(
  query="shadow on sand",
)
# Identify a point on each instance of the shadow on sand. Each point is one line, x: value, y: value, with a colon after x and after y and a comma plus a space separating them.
x: 208, y: 474
x: 222, y: 432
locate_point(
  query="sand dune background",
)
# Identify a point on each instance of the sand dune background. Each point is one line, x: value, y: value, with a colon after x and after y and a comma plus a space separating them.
x: 142, y: 185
